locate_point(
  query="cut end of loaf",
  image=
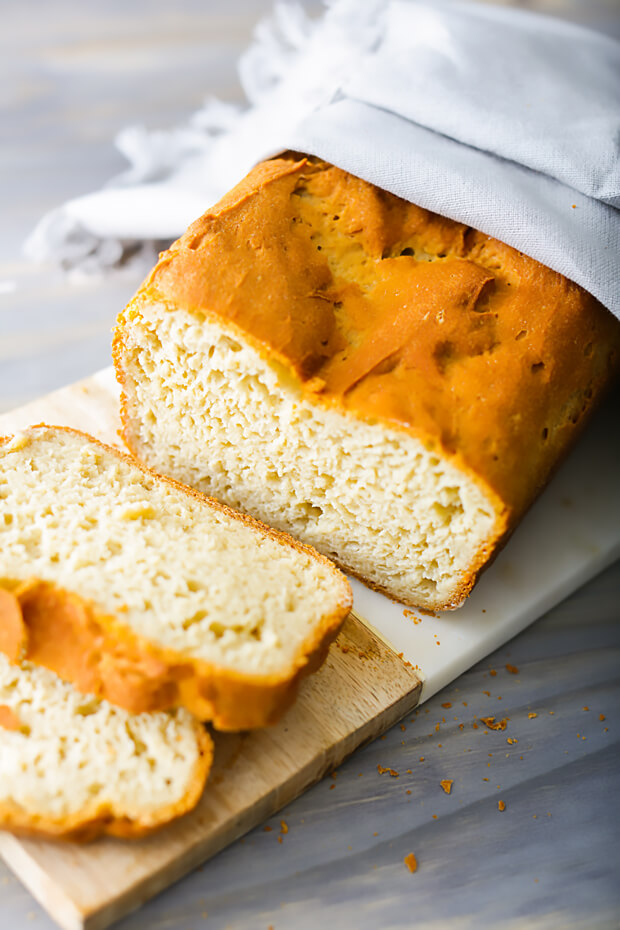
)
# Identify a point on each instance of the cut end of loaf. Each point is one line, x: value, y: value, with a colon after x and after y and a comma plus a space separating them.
x: 201, y: 403
x: 73, y: 766
x: 171, y: 598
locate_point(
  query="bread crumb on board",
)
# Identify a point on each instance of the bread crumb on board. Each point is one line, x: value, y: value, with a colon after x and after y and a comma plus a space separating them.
x: 411, y: 862
x: 411, y: 616
x: 501, y: 806
x: 446, y: 784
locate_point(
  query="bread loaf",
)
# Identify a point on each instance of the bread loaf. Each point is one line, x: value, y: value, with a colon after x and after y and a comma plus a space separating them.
x: 73, y: 767
x: 152, y: 596
x: 388, y: 385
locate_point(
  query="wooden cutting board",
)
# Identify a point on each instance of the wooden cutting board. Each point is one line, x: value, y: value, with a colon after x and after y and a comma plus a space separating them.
x: 362, y: 689
x: 571, y: 533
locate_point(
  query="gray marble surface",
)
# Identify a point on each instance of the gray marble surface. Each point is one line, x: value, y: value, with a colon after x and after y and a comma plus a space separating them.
x: 72, y: 75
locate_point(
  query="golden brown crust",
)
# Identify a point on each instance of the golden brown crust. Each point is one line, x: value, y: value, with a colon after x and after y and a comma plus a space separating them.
x: 397, y: 316
x: 467, y: 343
x: 87, y: 825
x: 101, y: 655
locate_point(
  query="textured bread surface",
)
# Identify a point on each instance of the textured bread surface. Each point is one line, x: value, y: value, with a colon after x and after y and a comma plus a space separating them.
x: 150, y: 595
x: 338, y: 484
x: 382, y: 382
x: 73, y: 766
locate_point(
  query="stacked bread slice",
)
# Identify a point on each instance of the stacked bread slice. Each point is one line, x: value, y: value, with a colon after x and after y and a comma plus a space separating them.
x: 73, y: 767
x: 149, y: 597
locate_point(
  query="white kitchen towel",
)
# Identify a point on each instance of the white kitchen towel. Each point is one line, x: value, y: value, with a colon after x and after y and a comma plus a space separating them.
x: 505, y: 120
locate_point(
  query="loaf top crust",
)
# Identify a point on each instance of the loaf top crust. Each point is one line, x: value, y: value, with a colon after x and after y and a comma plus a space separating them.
x: 400, y: 316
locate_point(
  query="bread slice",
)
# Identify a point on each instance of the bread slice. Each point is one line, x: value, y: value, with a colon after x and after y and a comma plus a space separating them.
x: 145, y: 593
x: 73, y: 767
x: 387, y: 385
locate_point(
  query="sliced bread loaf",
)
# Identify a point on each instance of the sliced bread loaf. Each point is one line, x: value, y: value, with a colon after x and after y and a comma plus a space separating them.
x: 386, y: 384
x: 145, y: 593
x: 74, y: 767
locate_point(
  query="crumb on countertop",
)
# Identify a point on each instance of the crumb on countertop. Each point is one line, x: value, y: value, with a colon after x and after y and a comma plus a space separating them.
x: 382, y: 769
x: 494, y: 724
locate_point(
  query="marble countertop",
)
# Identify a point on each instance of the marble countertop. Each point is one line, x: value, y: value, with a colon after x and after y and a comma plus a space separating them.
x: 74, y: 75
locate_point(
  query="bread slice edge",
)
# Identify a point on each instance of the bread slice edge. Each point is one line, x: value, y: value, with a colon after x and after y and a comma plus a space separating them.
x: 229, y: 699
x: 99, y: 817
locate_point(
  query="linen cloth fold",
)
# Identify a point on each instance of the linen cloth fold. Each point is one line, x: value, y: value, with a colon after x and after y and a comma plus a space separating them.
x: 504, y: 120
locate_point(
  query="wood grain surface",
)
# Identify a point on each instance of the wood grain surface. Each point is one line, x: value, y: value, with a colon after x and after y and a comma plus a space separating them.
x: 362, y: 689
